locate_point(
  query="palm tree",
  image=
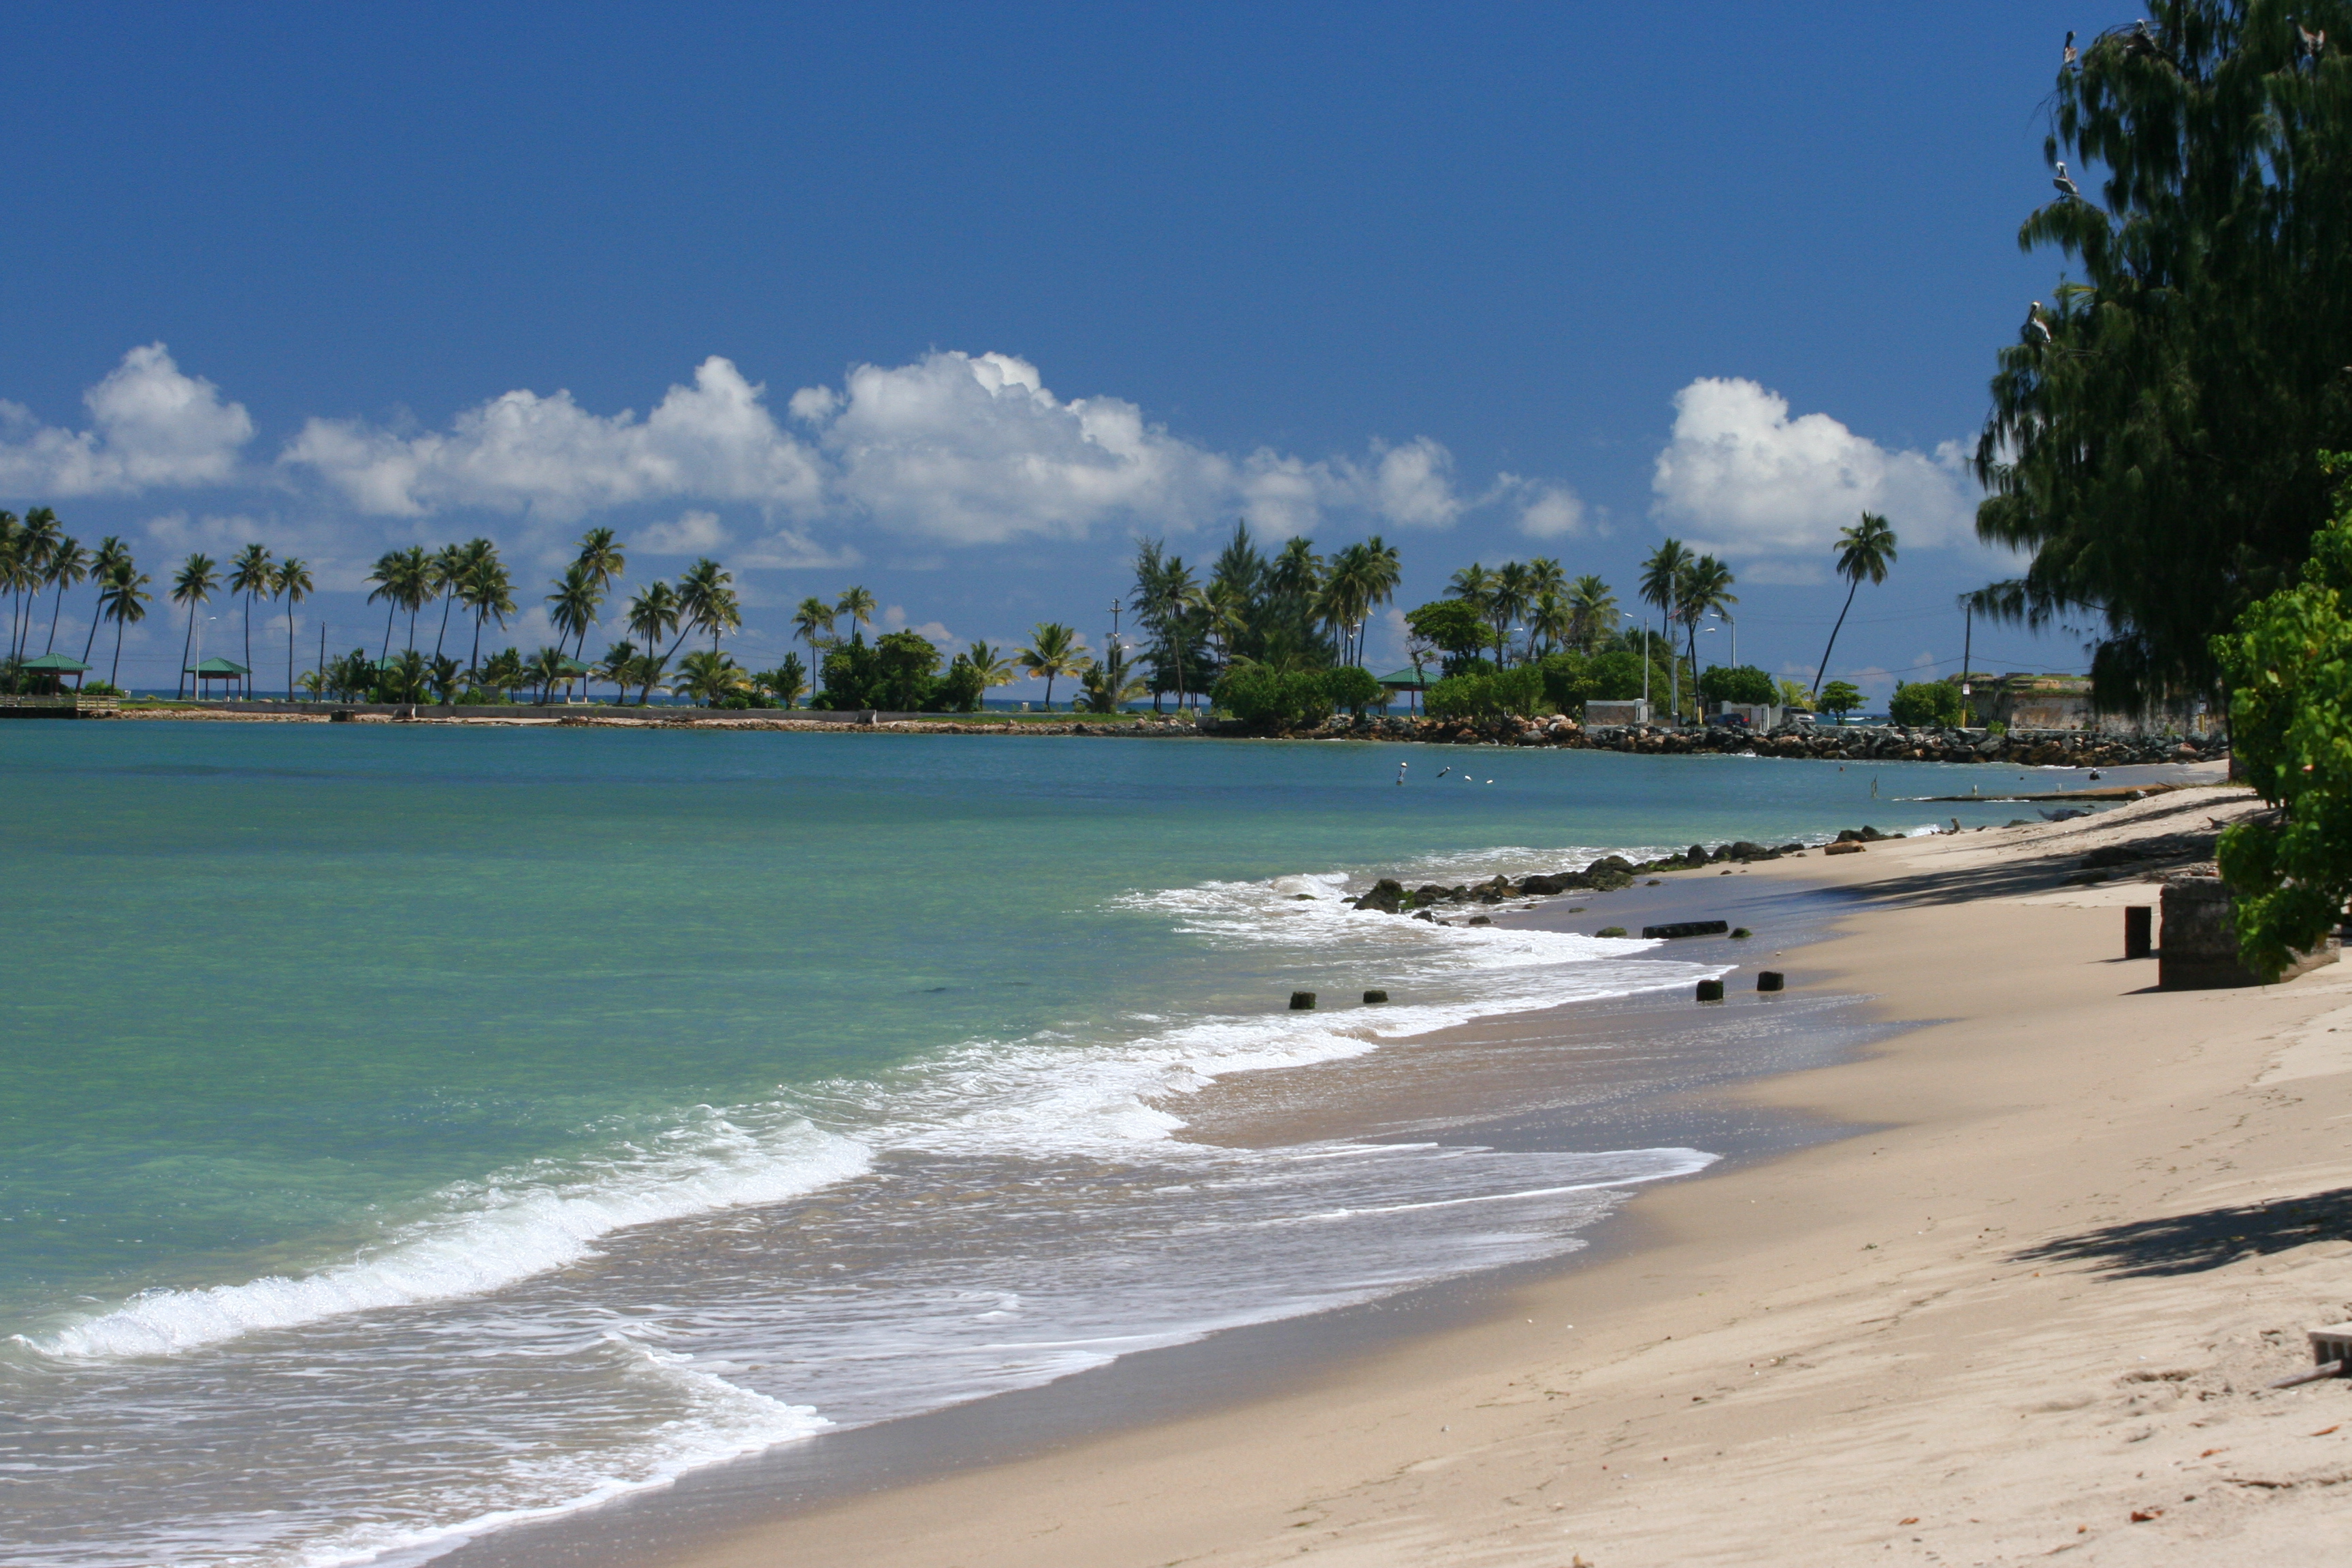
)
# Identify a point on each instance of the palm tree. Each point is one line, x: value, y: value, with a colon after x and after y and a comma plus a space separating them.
x: 193, y: 587
x: 487, y: 591
x: 617, y: 665
x: 1551, y: 618
x: 1109, y: 684
x: 112, y: 555
x: 123, y: 599
x: 1345, y: 599
x: 1705, y: 589
x: 646, y: 671
x: 502, y: 673
x: 996, y: 666
x: 1866, y: 550
x: 1475, y: 587
x: 387, y: 576
x: 1512, y: 594
x: 653, y: 615
x: 292, y: 580
x: 21, y: 558
x: 604, y: 559
x: 407, y: 679
x: 250, y: 577
x: 38, y: 543
x: 545, y: 670
x: 574, y: 606
x: 858, y: 606
x: 68, y: 566
x: 1054, y: 652
x: 1593, y: 607
x: 706, y: 602
x: 788, y: 682
x: 711, y: 676
x: 1662, y: 578
x: 445, y: 576
x: 813, y: 623
x: 1379, y: 570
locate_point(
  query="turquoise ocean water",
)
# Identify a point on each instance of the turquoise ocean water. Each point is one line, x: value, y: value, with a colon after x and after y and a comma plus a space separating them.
x: 411, y: 1129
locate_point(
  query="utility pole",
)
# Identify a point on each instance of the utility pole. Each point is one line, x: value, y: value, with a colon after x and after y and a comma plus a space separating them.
x: 1968, y: 632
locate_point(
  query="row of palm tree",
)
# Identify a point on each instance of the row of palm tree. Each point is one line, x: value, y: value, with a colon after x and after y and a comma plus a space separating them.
x: 1537, y: 598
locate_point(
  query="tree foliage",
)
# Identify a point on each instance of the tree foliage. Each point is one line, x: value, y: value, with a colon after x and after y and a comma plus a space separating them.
x: 1738, y: 683
x: 1839, y: 698
x: 2289, y: 667
x: 2152, y: 436
x: 1922, y: 703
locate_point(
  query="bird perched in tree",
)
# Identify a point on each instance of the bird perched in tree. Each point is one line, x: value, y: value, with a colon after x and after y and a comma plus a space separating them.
x: 2037, y: 331
x: 2066, y: 186
x: 2141, y: 39
x: 2309, y: 41
x: 2070, y: 58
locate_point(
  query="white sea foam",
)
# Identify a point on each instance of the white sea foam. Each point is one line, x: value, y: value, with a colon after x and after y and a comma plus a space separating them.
x: 487, y: 1235
x: 1049, y: 1095
x: 719, y: 1421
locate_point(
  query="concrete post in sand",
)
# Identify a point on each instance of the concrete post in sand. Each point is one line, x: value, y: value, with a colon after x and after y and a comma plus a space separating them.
x: 2200, y: 951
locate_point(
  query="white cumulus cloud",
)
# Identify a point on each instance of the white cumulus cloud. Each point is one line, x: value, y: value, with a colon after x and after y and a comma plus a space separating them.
x: 1742, y: 477
x: 151, y: 425
x: 714, y: 440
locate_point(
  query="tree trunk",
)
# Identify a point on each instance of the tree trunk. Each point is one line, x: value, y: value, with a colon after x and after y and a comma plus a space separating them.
x: 116, y: 667
x: 389, y: 611
x: 57, y: 610
x: 186, y: 644
x: 1824, y: 668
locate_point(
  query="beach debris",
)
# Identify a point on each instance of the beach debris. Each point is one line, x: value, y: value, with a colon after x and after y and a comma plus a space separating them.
x: 1710, y: 990
x: 1687, y: 928
x: 1611, y: 930
x: 1771, y: 980
x: 1479, y: 921
x: 1373, y: 997
x: 1845, y: 846
x: 1302, y: 1001
x: 1739, y: 932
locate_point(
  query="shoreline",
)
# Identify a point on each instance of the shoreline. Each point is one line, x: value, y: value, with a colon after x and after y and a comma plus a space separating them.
x: 1926, y: 1342
x: 1813, y: 743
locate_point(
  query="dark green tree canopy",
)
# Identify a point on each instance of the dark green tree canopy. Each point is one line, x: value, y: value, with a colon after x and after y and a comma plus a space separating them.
x: 2153, y: 437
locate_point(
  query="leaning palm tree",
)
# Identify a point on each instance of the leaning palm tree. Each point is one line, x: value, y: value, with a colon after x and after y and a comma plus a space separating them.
x: 1662, y: 578
x: 445, y: 576
x: 1866, y: 550
x: 193, y: 587
x: 386, y: 574
x: 112, y: 557
x: 1512, y: 594
x: 857, y: 604
x: 603, y: 558
x: 123, y: 599
x: 1054, y: 652
x: 1594, y: 608
x: 293, y: 582
x: 647, y: 671
x: 21, y: 557
x: 68, y: 565
x: 250, y: 577
x: 1551, y: 618
x: 37, y: 545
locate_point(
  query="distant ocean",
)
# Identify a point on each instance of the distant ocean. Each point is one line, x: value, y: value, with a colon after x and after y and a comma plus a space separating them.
x: 412, y: 1130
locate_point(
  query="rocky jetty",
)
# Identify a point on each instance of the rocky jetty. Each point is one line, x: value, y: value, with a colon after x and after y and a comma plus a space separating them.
x: 1389, y: 896
x: 1855, y: 742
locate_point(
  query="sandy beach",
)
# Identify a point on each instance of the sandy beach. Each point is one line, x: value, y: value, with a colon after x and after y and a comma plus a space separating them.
x: 2034, y: 1311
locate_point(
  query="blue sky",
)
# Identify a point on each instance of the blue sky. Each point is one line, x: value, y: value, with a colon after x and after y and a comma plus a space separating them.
x: 953, y: 301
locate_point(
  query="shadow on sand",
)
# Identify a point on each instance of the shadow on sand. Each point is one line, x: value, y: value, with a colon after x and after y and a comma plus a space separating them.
x: 2193, y: 1243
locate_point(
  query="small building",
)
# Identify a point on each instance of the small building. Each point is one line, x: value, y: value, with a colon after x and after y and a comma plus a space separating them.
x: 1754, y: 715
x: 218, y: 670
x: 46, y: 675
x: 1629, y: 710
x: 1410, y: 681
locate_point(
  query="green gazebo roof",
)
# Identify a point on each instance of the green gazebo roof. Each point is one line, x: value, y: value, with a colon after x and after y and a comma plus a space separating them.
x: 1405, y: 681
x: 56, y: 663
x: 220, y: 666
x: 572, y: 667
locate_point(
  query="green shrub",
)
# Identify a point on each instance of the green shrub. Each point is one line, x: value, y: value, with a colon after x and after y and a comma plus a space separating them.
x: 1354, y: 688
x: 1926, y: 702
x: 1455, y: 627
x: 1267, y: 698
x: 1738, y: 683
x: 1841, y: 698
x: 1489, y: 694
x: 1611, y: 930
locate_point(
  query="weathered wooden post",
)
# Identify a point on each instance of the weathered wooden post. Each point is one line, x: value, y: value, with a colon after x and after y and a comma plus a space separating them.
x: 2139, y: 934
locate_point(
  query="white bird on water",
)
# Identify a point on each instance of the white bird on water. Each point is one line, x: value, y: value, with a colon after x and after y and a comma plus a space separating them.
x: 2065, y: 184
